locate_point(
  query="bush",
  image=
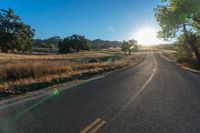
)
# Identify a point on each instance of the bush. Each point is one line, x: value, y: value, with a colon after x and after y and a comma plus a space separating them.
x: 188, y: 62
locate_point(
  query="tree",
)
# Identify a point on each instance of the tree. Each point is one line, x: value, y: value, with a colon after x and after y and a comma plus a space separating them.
x: 132, y: 46
x: 14, y: 35
x: 129, y: 46
x: 180, y: 17
x: 7, y: 22
x: 64, y: 46
x: 23, y: 37
x: 86, y: 46
x: 183, y: 49
x: 77, y: 42
x: 74, y: 42
x: 124, y: 47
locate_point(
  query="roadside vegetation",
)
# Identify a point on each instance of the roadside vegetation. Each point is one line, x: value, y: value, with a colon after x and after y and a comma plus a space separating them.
x: 23, y: 75
x: 180, y: 19
x: 29, y: 64
x: 178, y: 53
x: 182, y: 60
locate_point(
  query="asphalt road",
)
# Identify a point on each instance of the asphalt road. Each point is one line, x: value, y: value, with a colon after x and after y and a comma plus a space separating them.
x: 155, y: 96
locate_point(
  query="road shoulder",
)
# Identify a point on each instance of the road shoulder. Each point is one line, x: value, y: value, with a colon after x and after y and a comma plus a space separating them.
x: 57, y: 88
x: 181, y: 66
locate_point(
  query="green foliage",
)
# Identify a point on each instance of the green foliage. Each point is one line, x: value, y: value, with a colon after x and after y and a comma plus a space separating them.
x: 74, y: 42
x: 182, y: 49
x: 125, y: 47
x: 14, y: 34
x: 180, y: 18
x: 77, y: 42
x: 173, y: 14
x: 86, y: 46
x: 64, y: 46
x: 129, y: 46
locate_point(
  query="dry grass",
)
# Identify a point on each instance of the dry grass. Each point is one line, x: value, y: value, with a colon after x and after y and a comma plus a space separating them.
x: 13, y: 76
x: 170, y: 56
x: 21, y: 57
x: 35, y: 69
x: 17, y: 77
x: 184, y: 61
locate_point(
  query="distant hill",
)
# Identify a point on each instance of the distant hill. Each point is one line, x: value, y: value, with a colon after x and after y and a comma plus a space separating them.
x: 104, y: 44
x: 52, y: 43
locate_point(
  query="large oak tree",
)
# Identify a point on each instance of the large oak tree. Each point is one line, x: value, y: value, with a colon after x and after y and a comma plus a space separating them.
x: 180, y: 17
x: 14, y: 34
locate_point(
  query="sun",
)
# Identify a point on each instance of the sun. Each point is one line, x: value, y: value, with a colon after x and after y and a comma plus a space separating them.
x: 147, y: 36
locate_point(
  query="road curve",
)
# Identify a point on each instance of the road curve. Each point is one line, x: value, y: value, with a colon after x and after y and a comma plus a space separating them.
x: 154, y: 96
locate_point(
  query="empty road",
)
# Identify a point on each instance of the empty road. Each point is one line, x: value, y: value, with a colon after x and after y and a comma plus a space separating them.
x: 155, y: 96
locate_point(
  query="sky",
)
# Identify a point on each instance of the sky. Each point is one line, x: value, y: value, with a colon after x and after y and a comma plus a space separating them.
x: 103, y: 19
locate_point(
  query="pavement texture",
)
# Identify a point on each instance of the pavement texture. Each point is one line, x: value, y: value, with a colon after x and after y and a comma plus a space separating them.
x: 155, y: 96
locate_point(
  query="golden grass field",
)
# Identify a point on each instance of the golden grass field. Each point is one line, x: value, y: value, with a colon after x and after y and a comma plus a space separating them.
x: 18, y: 71
x: 21, y: 57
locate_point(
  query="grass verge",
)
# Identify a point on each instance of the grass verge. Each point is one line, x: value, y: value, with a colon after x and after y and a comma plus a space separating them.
x: 189, y: 63
x: 18, y: 77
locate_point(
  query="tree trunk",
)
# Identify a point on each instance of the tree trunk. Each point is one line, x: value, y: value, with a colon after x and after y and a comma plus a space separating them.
x: 129, y: 52
x: 197, y: 53
x: 191, y: 42
x: 77, y: 49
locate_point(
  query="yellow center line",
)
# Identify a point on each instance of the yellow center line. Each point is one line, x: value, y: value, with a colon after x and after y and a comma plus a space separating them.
x: 97, y: 127
x: 85, y: 130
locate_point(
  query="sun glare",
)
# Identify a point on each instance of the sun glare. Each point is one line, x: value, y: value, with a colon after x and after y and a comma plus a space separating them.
x: 147, y: 36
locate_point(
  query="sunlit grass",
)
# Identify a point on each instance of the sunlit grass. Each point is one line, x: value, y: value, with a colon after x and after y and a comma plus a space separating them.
x: 22, y: 57
x: 27, y: 70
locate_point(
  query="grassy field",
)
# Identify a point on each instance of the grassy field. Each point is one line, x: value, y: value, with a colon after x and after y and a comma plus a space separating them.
x: 23, y: 73
x: 45, y: 56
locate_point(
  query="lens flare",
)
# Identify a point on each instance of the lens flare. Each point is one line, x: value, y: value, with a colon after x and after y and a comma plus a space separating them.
x: 147, y: 36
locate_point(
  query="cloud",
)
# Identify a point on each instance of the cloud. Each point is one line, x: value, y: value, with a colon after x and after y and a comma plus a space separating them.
x: 111, y: 28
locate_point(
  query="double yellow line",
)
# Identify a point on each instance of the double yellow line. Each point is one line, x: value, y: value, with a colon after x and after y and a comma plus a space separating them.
x: 94, y: 126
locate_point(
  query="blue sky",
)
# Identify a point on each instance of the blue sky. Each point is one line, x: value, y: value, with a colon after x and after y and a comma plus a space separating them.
x: 104, y: 19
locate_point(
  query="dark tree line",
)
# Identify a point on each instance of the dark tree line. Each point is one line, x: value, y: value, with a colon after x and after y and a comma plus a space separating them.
x: 73, y: 43
x: 14, y: 34
x: 79, y: 42
x: 104, y: 44
x: 53, y: 42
